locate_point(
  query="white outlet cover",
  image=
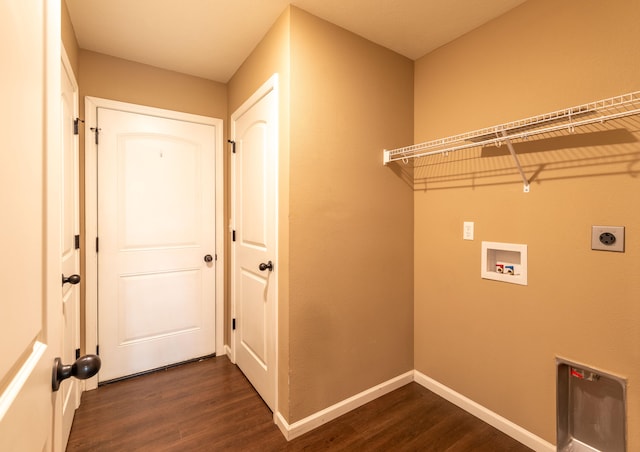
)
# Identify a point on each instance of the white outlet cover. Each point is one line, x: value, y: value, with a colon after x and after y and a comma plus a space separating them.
x: 607, y: 238
x: 467, y: 230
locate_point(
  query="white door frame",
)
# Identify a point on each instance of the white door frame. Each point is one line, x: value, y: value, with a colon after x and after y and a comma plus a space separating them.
x: 270, y: 85
x: 91, y: 214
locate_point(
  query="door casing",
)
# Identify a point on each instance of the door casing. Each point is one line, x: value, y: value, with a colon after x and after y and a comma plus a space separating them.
x: 91, y: 217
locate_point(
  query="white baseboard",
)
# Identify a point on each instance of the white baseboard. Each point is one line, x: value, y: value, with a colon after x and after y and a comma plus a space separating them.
x: 334, y: 411
x: 227, y: 351
x: 495, y: 420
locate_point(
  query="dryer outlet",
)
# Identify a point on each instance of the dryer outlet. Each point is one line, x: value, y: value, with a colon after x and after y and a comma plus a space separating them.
x: 607, y: 238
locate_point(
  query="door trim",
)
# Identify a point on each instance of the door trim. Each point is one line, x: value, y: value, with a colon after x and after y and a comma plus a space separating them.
x: 270, y: 85
x: 91, y: 105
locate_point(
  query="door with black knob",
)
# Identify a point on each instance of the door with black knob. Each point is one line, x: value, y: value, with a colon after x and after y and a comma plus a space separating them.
x: 31, y: 323
x: 156, y: 217
x: 70, y: 242
x: 254, y: 213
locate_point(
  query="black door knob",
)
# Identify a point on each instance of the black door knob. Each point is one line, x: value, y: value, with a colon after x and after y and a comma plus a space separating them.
x: 73, y: 279
x: 85, y: 367
x: 208, y: 258
x: 267, y: 266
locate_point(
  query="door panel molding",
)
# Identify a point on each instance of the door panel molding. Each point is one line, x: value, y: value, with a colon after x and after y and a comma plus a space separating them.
x: 91, y: 209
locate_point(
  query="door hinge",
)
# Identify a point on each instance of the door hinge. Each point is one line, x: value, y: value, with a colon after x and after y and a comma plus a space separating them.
x: 97, y: 245
x: 77, y: 353
x: 76, y: 125
x: 96, y: 130
x: 76, y: 242
x: 233, y: 236
x: 233, y: 146
x: 233, y: 324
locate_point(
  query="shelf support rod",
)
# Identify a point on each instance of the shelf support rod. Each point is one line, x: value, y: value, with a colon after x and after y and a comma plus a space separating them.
x: 515, y: 158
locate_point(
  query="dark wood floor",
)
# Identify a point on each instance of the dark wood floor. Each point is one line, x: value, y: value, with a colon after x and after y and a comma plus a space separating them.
x: 210, y: 406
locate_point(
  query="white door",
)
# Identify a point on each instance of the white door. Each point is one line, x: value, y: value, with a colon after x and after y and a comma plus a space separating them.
x: 156, y: 249
x: 254, y: 210
x: 70, y: 242
x: 30, y: 323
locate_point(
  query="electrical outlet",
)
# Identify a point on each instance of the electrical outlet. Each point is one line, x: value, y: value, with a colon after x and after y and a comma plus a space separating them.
x: 607, y: 238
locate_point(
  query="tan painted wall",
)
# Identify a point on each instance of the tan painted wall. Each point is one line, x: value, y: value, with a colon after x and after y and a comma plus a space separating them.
x: 493, y: 342
x: 269, y: 57
x: 117, y: 79
x: 69, y: 41
x: 351, y: 218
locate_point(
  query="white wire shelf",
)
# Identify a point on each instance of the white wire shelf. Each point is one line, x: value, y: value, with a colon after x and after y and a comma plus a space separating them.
x: 568, y: 119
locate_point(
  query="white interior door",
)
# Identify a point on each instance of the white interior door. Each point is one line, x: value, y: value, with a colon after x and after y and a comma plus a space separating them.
x: 70, y: 242
x: 30, y: 323
x: 156, y: 227
x: 254, y: 272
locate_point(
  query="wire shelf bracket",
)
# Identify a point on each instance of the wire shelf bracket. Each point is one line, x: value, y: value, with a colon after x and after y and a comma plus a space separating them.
x: 568, y: 119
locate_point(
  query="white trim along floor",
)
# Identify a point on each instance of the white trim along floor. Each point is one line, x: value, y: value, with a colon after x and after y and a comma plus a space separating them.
x: 291, y: 431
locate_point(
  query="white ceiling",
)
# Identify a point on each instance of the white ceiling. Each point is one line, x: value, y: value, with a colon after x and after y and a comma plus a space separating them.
x: 211, y: 38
